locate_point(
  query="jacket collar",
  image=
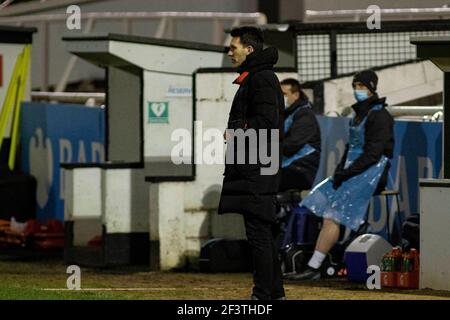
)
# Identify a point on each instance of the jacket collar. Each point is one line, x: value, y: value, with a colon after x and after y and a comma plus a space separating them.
x: 362, y: 108
x: 299, y: 103
x: 261, y: 60
x: 241, y: 78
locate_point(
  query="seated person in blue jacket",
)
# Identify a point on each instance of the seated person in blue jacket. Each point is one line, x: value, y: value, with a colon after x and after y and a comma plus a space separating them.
x: 343, y: 199
x: 301, y: 143
x: 300, y: 152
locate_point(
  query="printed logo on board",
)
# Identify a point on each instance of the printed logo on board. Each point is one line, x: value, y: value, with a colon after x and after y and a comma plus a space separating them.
x: 158, y: 112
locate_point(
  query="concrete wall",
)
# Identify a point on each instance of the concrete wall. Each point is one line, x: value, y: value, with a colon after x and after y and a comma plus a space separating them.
x: 84, y: 203
x: 434, y: 235
x: 116, y: 199
x: 398, y: 84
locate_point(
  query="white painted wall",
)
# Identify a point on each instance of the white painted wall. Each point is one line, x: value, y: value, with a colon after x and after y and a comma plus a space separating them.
x: 117, y: 198
x: 83, y: 203
x: 434, y: 236
x: 165, y: 59
x: 125, y: 201
x: 167, y: 223
x: 83, y: 187
x: 398, y: 84
x: 157, y: 136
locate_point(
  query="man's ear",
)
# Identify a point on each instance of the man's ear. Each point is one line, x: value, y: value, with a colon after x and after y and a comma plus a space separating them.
x: 250, y: 49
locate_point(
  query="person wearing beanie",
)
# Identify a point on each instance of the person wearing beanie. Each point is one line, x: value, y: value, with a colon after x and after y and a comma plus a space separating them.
x: 368, y: 79
x: 343, y: 199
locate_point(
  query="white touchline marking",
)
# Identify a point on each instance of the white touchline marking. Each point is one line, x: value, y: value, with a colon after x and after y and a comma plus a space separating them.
x: 137, y: 289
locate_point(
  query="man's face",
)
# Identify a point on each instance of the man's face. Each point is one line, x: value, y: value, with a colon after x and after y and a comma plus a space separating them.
x: 238, y: 52
x: 360, y: 86
x: 291, y: 97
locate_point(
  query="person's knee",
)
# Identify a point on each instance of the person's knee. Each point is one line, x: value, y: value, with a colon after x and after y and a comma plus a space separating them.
x: 260, y: 238
x: 330, y: 224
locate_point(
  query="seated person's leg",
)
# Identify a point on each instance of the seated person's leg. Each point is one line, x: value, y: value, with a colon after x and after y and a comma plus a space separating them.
x: 328, y: 237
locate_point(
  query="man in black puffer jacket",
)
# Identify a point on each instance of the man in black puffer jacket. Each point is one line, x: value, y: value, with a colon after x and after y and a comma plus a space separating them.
x: 301, y: 130
x: 250, y: 188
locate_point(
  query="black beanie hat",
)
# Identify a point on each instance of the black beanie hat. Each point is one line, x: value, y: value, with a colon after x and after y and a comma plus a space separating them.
x: 367, y: 78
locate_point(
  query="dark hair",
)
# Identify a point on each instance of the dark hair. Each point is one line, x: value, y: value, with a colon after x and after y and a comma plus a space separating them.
x: 295, y: 86
x: 249, y: 36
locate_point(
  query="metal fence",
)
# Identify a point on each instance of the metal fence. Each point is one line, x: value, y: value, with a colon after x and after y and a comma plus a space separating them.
x: 347, y: 15
x: 335, y: 49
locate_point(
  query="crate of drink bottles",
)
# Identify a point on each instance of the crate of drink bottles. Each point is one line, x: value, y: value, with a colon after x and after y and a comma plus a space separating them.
x: 400, y: 269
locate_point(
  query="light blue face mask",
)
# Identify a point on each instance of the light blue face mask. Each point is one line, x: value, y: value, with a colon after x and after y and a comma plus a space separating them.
x: 286, y: 104
x: 361, y: 95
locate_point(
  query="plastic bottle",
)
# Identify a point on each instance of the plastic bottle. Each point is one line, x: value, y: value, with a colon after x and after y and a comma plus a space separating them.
x: 386, y: 270
x: 414, y: 258
x: 409, y: 276
x: 397, y: 259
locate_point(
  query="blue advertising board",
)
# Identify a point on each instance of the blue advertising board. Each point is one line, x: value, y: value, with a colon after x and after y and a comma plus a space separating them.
x: 52, y: 134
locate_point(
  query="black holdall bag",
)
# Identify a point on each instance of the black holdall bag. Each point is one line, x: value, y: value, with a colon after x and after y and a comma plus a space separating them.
x: 17, y: 195
x: 411, y: 232
x: 294, y: 258
x: 299, y: 246
x: 298, y: 239
x: 225, y: 255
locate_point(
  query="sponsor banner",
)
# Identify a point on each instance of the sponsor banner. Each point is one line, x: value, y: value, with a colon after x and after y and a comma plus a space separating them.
x: 52, y: 134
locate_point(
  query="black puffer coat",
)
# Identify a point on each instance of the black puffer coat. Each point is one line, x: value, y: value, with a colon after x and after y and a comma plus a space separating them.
x: 304, y: 130
x: 258, y: 104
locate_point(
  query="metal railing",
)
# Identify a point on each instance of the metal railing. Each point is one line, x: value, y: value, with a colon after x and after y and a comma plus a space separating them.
x: 33, y: 7
x: 422, y: 113
x: 165, y: 29
x: 330, y: 50
x: 400, y: 111
x: 90, y: 99
x: 388, y: 14
x: 5, y: 4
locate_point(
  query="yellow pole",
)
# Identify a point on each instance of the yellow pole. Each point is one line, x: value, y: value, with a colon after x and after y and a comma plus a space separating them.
x: 16, y: 117
x: 10, y: 93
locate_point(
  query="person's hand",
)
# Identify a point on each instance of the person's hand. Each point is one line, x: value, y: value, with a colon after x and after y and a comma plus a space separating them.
x: 226, y: 135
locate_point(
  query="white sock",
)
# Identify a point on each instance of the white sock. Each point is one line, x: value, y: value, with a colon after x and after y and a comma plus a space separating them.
x: 316, y: 260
